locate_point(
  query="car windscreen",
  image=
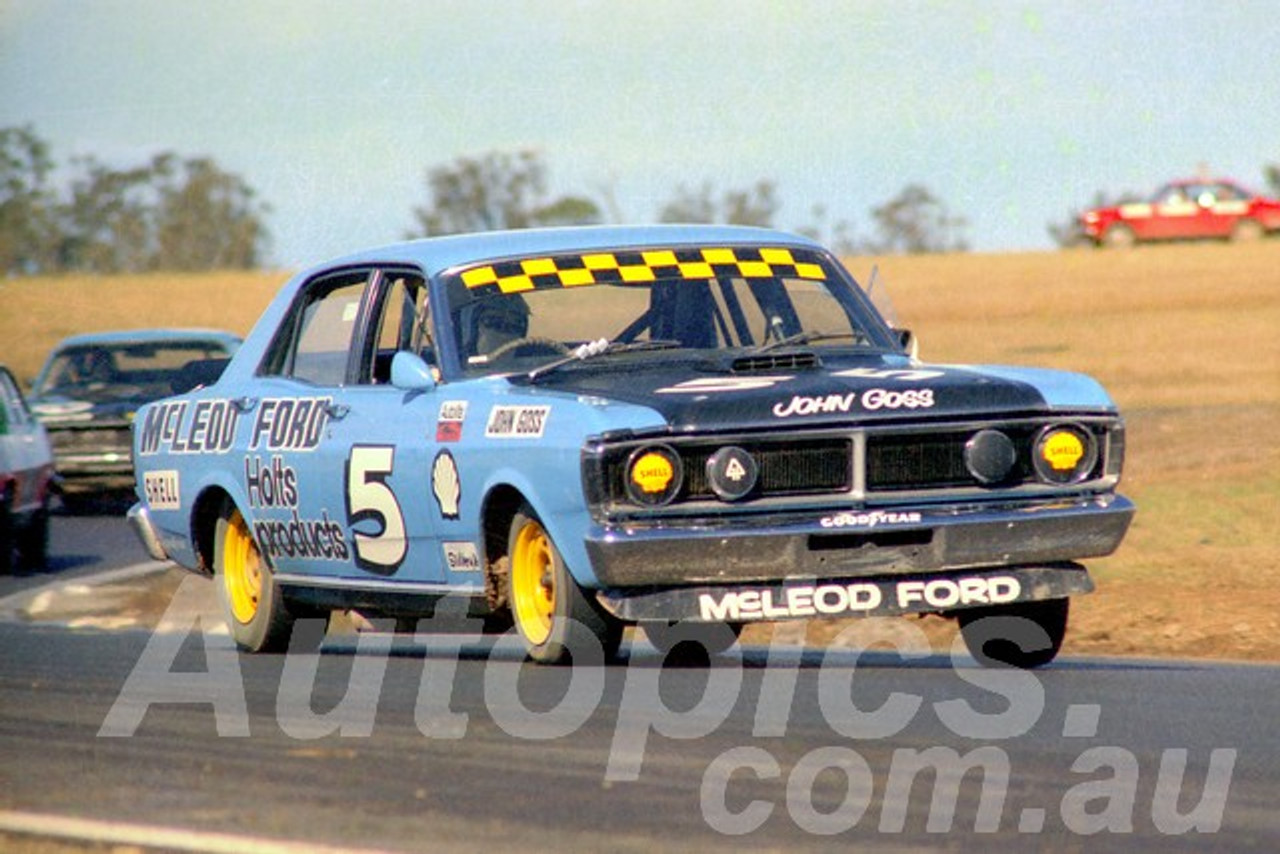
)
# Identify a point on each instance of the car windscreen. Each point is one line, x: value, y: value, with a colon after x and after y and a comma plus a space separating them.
x: 121, y: 371
x: 518, y: 314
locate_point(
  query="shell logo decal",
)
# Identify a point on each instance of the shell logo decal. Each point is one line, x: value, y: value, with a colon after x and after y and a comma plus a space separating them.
x: 446, y: 486
x: 652, y: 473
x: 1063, y: 450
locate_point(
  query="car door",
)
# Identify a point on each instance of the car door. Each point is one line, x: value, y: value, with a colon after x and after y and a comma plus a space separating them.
x: 1211, y: 219
x: 1225, y: 205
x: 335, y: 462
x: 381, y: 440
x: 1175, y: 214
x: 23, y: 449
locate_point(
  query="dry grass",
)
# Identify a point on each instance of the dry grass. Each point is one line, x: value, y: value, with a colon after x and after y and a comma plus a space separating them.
x: 1186, y: 338
x: 1161, y: 326
x: 35, y: 313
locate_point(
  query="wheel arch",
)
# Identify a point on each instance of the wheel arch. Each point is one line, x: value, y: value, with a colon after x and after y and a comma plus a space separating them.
x: 1248, y: 229
x: 1118, y: 235
x: 207, y: 510
x: 496, y: 514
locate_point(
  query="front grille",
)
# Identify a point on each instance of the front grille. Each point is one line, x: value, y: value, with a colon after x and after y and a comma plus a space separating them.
x: 915, y: 462
x: 798, y: 467
x: 785, y: 469
x: 936, y: 460
x: 114, y: 440
x: 869, y: 464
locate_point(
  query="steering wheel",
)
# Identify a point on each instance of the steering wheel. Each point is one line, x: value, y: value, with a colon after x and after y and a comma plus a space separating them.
x: 534, y: 343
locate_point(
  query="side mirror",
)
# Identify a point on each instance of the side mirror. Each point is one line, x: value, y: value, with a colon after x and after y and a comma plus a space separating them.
x: 411, y: 372
x: 908, y: 342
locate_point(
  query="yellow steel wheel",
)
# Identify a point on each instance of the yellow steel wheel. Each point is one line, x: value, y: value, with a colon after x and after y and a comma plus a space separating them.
x: 241, y: 569
x: 558, y: 621
x: 258, y: 617
x: 533, y: 582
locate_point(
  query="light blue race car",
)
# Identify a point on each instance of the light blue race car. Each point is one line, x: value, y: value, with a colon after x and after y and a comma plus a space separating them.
x: 687, y: 428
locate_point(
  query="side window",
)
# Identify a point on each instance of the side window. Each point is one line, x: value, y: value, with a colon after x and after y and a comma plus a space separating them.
x: 1202, y: 194
x: 326, y: 329
x: 401, y: 324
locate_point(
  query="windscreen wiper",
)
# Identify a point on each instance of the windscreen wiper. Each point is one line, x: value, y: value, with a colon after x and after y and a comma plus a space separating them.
x: 601, y: 347
x: 806, y: 338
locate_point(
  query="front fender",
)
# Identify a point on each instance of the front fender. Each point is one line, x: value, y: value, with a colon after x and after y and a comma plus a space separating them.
x: 559, y: 504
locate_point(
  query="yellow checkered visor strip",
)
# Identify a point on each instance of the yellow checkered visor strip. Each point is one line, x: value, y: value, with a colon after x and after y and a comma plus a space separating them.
x: 641, y: 267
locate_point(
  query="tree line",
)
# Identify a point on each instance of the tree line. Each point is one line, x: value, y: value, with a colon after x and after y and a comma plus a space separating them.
x: 188, y: 214
x: 170, y: 213
x: 500, y: 190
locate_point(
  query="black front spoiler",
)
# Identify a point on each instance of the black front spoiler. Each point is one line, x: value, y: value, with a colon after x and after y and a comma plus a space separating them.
x: 882, y: 596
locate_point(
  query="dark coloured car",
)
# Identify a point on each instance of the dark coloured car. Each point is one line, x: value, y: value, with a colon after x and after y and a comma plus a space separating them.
x: 91, y: 386
x: 26, y: 480
x: 685, y: 428
x: 1192, y: 209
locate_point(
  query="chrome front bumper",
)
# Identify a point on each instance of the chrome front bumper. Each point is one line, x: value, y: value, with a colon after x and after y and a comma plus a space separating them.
x: 139, y: 519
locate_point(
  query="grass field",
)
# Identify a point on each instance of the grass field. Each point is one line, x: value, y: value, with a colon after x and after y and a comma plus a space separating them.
x: 1186, y: 338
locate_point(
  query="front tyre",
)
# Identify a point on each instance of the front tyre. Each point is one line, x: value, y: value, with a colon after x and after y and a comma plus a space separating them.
x: 552, y: 615
x: 252, y: 604
x: 679, y: 640
x: 1024, y: 635
x: 1119, y: 236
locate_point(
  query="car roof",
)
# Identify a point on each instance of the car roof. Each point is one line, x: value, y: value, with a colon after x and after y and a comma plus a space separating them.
x: 148, y: 336
x: 437, y: 254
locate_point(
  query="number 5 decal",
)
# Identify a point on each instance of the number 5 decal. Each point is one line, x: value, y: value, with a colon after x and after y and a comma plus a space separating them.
x: 369, y: 497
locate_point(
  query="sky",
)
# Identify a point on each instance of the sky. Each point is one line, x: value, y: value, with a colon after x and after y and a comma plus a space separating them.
x: 1013, y: 114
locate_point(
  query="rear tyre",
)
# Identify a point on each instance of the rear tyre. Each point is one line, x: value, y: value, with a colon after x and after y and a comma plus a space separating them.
x: 6, y: 536
x: 1247, y: 231
x: 257, y: 616
x: 1024, y: 635
x: 33, y: 541
x: 553, y: 616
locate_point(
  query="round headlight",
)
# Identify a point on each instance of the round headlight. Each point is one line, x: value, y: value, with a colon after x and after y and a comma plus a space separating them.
x: 732, y: 473
x: 654, y: 475
x: 990, y: 456
x: 1065, y: 453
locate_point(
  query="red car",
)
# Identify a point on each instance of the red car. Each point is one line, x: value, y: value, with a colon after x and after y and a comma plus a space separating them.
x: 1193, y: 209
x: 26, y: 480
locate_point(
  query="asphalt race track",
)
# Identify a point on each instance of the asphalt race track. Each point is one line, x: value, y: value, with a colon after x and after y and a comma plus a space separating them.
x: 173, y: 741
